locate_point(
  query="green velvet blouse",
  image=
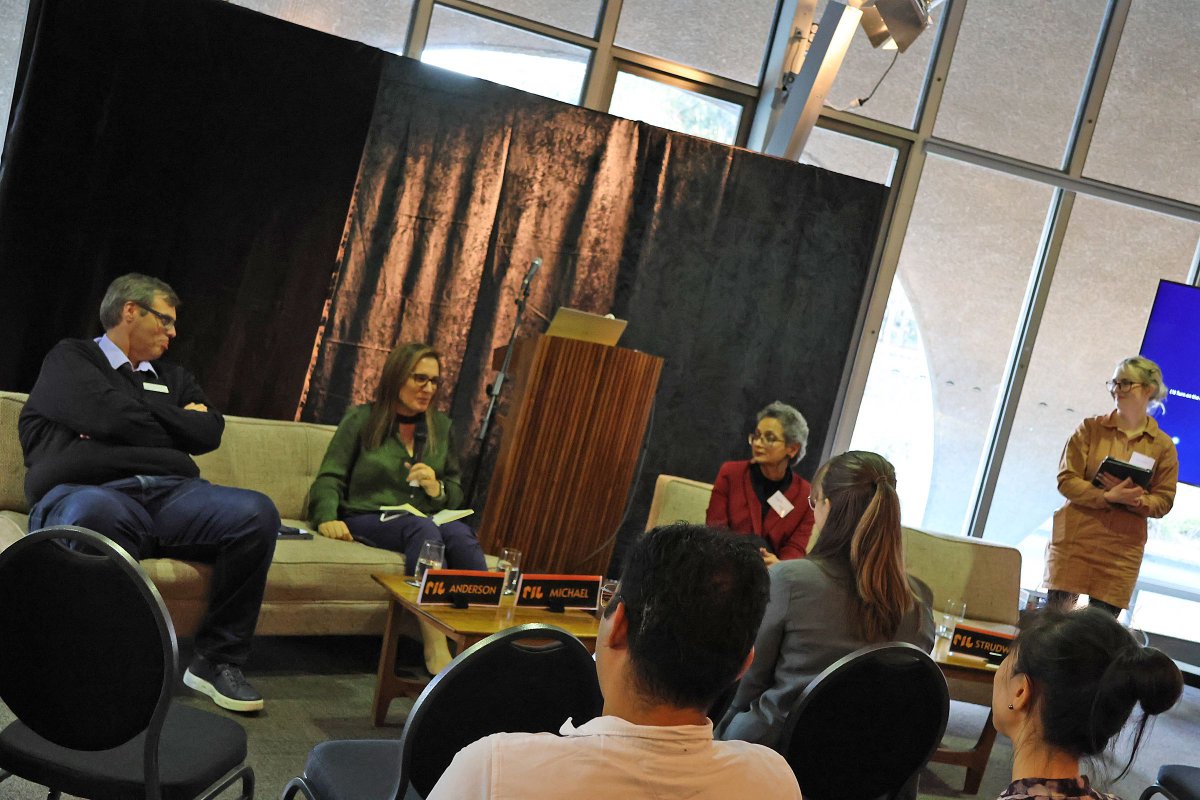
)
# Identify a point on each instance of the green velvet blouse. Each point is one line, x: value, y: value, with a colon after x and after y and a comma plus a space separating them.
x: 353, y: 480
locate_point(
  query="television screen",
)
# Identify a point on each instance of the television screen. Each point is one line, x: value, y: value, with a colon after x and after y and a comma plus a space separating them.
x: 1173, y: 341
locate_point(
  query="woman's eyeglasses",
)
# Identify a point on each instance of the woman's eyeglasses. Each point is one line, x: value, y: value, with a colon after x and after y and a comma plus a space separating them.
x: 1123, y: 385
x: 767, y: 439
x: 421, y: 379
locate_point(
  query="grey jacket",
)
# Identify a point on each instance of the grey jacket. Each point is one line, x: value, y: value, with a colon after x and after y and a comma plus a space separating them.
x: 807, y: 626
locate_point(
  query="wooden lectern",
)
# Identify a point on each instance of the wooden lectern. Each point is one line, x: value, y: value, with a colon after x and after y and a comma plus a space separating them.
x: 569, y: 448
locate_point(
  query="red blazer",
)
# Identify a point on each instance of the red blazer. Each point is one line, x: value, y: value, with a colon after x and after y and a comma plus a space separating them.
x: 734, y: 505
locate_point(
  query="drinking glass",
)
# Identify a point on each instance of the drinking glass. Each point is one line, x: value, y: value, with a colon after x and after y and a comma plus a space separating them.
x: 510, y: 564
x: 952, y: 613
x: 432, y: 556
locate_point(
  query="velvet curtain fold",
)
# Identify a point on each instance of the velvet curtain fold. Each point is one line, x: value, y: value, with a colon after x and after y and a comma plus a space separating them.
x: 745, y: 272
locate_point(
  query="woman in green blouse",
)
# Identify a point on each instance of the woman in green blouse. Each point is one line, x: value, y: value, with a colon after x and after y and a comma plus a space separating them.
x: 390, y: 452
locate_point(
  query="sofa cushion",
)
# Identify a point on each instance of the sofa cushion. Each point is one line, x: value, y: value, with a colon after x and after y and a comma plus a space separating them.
x: 279, y: 459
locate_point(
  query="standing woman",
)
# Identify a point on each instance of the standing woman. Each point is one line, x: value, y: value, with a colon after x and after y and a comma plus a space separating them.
x: 851, y: 591
x: 762, y: 497
x: 1100, y: 532
x: 396, y: 450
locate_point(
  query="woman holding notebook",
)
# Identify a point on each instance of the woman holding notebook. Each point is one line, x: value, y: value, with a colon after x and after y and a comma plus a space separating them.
x: 1100, y: 532
x: 390, y: 462
x: 393, y: 452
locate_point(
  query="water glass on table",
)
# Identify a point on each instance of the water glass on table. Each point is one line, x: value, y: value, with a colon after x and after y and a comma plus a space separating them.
x: 948, y: 618
x: 510, y: 564
x: 433, y: 556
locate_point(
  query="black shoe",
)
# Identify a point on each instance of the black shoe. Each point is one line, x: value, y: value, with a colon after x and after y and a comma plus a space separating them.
x: 224, y: 683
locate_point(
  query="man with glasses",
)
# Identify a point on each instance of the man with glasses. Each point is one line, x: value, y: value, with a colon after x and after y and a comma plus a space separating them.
x: 676, y: 635
x: 108, y: 433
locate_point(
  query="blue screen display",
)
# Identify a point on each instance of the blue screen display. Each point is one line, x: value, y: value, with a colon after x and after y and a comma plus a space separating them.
x: 1173, y: 341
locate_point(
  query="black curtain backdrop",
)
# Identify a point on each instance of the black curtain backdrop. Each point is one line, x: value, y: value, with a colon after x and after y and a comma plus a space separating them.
x: 196, y: 141
x: 744, y: 272
x: 316, y: 201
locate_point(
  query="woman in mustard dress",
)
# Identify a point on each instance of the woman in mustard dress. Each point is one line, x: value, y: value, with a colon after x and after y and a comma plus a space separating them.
x: 1100, y: 532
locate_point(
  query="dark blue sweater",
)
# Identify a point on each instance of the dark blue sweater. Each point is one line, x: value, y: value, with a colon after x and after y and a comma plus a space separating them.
x: 87, y: 423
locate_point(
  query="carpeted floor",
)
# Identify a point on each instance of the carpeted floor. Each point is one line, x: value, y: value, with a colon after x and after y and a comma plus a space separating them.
x: 321, y: 688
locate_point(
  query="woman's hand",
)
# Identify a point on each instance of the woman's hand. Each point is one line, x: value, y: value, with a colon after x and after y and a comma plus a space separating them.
x: 424, y: 476
x: 768, y: 557
x: 1125, y: 493
x: 335, y: 529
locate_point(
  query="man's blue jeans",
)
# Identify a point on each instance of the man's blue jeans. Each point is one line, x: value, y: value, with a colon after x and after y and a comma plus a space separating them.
x: 188, y: 519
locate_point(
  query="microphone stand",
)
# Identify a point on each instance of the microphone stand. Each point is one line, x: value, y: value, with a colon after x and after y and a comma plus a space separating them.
x: 498, y: 383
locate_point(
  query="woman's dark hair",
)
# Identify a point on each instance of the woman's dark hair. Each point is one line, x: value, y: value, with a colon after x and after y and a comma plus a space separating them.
x: 1087, y: 674
x: 399, y: 365
x: 862, y: 532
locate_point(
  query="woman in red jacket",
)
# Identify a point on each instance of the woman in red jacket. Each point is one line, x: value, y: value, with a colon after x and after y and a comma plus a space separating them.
x: 762, y: 497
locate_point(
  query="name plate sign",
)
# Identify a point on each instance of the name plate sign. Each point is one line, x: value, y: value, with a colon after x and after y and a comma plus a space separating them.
x: 992, y: 645
x: 558, y: 592
x: 460, y: 588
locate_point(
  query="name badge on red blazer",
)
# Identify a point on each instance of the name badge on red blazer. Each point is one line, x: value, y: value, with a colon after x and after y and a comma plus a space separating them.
x: 781, y: 504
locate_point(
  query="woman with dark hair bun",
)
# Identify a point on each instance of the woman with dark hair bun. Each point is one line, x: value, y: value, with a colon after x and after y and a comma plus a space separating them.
x: 851, y: 591
x: 1065, y: 692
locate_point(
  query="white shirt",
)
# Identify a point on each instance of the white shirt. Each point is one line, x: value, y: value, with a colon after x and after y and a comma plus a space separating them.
x: 116, y: 356
x: 611, y: 758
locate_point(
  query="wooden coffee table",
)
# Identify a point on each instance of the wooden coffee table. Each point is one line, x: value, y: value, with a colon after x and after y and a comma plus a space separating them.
x: 464, y: 626
x: 970, y: 669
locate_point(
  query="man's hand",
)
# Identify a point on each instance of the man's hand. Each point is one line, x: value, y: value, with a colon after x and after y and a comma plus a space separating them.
x: 335, y: 529
x: 768, y: 557
x: 195, y: 407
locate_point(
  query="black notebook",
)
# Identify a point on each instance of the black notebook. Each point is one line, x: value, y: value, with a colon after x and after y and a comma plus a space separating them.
x: 1122, y: 470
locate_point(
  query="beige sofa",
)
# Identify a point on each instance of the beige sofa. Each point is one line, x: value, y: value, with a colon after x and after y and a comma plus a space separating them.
x: 317, y: 586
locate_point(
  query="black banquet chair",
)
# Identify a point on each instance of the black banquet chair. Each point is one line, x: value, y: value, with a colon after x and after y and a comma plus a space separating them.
x: 1175, y: 782
x: 88, y: 661
x: 867, y: 724
x: 529, y: 678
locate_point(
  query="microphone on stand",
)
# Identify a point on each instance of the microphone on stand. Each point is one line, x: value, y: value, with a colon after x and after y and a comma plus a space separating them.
x: 533, y: 268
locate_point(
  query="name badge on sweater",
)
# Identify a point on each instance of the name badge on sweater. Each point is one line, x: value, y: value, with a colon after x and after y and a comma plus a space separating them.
x: 155, y: 387
x: 781, y: 504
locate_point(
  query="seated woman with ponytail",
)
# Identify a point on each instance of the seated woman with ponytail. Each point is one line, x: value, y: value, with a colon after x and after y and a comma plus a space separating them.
x: 1065, y: 692
x: 851, y: 591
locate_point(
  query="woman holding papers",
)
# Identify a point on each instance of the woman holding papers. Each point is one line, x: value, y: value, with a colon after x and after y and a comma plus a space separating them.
x: 851, y: 591
x: 390, y: 467
x: 1065, y: 692
x: 1100, y: 532
x: 762, y: 497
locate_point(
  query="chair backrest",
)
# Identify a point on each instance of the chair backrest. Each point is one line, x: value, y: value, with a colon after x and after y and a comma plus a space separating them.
x: 678, y: 500
x: 530, y: 678
x: 866, y: 724
x: 89, y: 653
x: 986, y: 575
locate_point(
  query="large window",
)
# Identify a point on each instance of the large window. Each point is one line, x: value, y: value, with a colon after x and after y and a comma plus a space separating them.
x: 382, y: 25
x: 675, y: 106
x: 965, y: 284
x: 504, y: 54
x: 12, y: 29
x: 1017, y: 94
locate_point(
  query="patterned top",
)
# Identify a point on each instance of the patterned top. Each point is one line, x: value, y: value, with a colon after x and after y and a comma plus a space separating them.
x: 1053, y: 789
